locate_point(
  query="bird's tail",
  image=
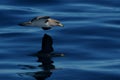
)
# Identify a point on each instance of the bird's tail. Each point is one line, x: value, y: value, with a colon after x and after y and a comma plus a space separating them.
x: 25, y: 24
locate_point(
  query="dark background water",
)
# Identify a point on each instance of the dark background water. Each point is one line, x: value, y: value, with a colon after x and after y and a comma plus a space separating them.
x: 90, y: 40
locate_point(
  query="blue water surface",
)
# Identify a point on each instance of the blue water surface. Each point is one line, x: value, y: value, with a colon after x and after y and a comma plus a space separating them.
x: 90, y: 40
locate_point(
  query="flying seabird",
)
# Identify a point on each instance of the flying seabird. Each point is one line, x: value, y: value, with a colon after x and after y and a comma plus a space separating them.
x: 45, y: 22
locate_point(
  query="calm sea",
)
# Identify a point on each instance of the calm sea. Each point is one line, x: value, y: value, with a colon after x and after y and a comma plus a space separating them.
x: 87, y: 48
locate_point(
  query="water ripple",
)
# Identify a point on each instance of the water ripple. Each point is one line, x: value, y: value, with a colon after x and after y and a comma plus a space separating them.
x: 90, y: 39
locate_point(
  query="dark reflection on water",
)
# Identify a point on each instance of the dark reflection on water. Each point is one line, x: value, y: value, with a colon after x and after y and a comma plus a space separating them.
x: 45, y: 57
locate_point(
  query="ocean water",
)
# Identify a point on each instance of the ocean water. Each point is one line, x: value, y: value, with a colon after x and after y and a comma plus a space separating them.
x: 86, y: 48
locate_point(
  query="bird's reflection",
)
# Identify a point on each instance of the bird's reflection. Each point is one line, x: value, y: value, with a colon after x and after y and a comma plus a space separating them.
x: 45, y: 57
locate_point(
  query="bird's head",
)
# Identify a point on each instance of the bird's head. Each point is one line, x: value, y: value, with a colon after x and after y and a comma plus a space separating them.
x: 53, y: 22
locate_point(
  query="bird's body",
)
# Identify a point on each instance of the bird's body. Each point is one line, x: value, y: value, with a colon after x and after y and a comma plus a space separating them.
x: 44, y: 22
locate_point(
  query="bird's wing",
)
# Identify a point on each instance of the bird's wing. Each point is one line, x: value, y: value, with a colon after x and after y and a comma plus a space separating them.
x: 40, y: 18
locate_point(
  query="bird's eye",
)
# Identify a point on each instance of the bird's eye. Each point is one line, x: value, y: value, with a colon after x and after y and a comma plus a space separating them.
x: 57, y: 22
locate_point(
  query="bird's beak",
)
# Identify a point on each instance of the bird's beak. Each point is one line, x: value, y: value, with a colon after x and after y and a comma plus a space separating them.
x: 61, y: 25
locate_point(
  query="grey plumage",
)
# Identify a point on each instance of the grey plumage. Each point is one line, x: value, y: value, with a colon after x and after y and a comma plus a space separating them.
x: 45, y: 22
x: 40, y: 18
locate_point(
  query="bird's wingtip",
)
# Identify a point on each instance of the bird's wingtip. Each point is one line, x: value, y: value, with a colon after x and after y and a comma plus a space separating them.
x: 21, y: 24
x: 24, y: 24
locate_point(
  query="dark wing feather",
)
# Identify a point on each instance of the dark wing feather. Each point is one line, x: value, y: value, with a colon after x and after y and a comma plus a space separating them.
x: 39, y: 17
x: 46, y: 28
